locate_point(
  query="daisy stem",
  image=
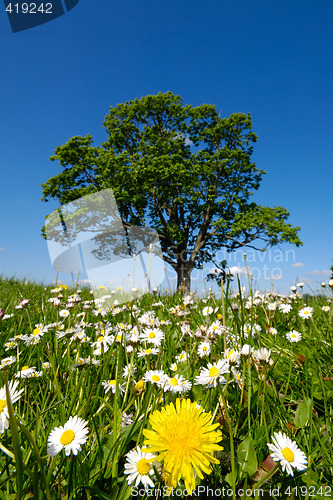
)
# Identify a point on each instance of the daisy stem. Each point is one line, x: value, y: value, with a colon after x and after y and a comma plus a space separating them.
x: 231, y: 437
x: 262, y: 415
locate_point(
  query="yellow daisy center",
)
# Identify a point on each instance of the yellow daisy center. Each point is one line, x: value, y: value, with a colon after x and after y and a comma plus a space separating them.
x: 67, y: 437
x: 293, y: 335
x: 143, y: 467
x: 101, y: 339
x: 288, y: 454
x: 174, y: 381
x: 112, y: 382
x: 213, y: 371
x: 156, y: 378
x: 25, y: 368
x: 152, y: 335
x: 2, y: 405
x: 204, y: 348
x: 36, y: 331
x: 230, y: 353
x: 147, y: 351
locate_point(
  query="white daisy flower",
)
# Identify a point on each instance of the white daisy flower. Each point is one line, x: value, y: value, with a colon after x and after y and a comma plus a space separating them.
x: 181, y: 357
x: 129, y: 370
x: 14, y: 396
x: 7, y: 316
x: 213, y: 373
x: 110, y: 385
x: 157, y: 377
x: 147, y: 352
x: 216, y: 328
x: 11, y: 344
x: 26, y: 372
x: 249, y: 329
x: 204, y: 349
x: 305, y: 312
x: 152, y: 336
x: 237, y: 376
x: 188, y: 300
x: 246, y: 350
x: 287, y: 453
x: 177, y: 384
x: 139, y: 468
x: 69, y: 437
x: 64, y: 313
x: 207, y: 310
x: 294, y: 336
x: 232, y: 356
x: 325, y: 308
x: 186, y: 329
x: 81, y: 362
x: 7, y: 361
x: 262, y: 355
x: 285, y: 308
x: 103, y: 340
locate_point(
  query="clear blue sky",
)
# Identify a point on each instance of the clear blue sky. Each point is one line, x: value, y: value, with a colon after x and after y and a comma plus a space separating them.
x: 271, y: 59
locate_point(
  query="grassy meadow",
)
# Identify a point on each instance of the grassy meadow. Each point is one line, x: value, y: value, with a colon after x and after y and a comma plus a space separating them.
x: 165, y: 394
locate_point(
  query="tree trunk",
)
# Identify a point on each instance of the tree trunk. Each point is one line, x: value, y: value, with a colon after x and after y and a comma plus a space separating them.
x: 184, y: 270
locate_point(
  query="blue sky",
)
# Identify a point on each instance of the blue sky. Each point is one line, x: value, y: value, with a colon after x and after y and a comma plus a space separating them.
x: 273, y: 60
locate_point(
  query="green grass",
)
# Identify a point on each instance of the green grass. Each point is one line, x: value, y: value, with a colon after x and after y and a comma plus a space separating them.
x: 293, y: 393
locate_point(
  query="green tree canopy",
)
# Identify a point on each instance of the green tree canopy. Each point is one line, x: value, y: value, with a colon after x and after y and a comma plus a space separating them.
x: 184, y: 171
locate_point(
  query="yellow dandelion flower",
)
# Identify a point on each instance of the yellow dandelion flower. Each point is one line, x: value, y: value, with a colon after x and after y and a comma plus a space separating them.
x: 184, y: 439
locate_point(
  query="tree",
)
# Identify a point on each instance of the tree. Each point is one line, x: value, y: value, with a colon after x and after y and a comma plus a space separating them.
x: 184, y: 170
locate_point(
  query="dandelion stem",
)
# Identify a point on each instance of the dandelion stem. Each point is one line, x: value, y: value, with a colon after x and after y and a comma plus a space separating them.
x: 232, y: 450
